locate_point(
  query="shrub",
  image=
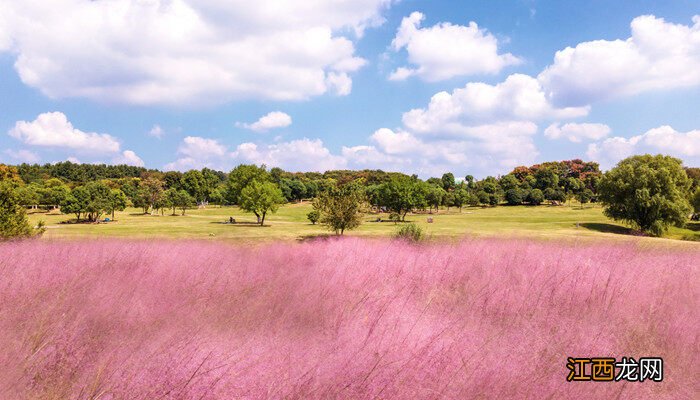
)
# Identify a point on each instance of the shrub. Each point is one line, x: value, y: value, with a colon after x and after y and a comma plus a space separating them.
x: 410, y: 232
x: 313, y: 216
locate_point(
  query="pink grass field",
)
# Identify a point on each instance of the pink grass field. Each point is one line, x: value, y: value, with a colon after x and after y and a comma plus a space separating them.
x: 352, y: 318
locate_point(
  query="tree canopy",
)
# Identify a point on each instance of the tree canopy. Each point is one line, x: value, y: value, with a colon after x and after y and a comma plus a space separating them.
x: 649, y: 192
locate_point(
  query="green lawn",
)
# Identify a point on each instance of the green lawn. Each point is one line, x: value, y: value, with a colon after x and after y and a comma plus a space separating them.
x: 290, y: 223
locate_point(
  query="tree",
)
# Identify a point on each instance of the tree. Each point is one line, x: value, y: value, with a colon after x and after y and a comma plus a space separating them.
x: 240, y: 177
x: 151, y: 192
x: 13, y: 217
x: 117, y: 201
x: 584, y: 196
x: 448, y: 181
x: 313, y: 216
x: 29, y: 195
x: 341, y: 208
x: 509, y: 182
x: 695, y: 201
x: 216, y: 197
x: 194, y: 183
x: 535, y: 197
x: 514, y: 196
x: 434, y: 197
x: 460, y: 198
x: 90, y: 200
x: 178, y: 199
x: 402, y: 194
x: 260, y: 198
x: 649, y: 192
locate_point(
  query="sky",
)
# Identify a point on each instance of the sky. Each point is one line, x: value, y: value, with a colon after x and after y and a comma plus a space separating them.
x: 418, y: 86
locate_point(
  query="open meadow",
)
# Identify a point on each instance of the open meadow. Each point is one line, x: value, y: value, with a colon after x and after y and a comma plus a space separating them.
x: 290, y: 222
x: 341, y: 318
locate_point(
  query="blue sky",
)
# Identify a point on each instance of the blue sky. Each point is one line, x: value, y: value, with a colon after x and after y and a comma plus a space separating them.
x: 422, y: 87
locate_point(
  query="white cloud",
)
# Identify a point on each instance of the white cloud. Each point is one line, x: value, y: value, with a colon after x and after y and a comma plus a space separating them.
x: 73, y: 160
x: 519, y: 97
x: 395, y: 142
x: 296, y: 155
x: 658, y: 55
x: 128, y: 157
x: 199, y: 147
x: 54, y: 130
x: 577, y: 132
x: 273, y: 120
x: 186, y: 51
x: 444, y: 51
x: 23, y: 156
x: 485, y: 149
x: 664, y: 140
x: 156, y: 132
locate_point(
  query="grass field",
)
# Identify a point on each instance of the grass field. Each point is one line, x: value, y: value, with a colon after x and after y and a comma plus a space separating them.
x: 290, y: 223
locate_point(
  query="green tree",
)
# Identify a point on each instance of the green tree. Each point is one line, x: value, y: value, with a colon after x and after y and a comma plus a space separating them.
x: 402, y: 194
x: 341, y: 208
x: 695, y: 201
x: 260, y: 198
x: 649, y: 192
x: 313, y: 216
x: 240, y: 177
x: 13, y: 217
x: 448, y: 181
x: 216, y: 197
x: 514, y: 196
x: 434, y: 198
x: 117, y: 201
x: 90, y: 200
x: 194, y: 183
x: 461, y: 196
x: 584, y: 196
x: 535, y: 197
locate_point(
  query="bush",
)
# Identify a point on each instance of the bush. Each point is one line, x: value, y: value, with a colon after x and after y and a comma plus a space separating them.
x: 410, y: 232
x: 313, y: 216
x: 395, y: 217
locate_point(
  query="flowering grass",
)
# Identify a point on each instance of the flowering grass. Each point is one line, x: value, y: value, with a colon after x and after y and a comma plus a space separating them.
x: 340, y: 319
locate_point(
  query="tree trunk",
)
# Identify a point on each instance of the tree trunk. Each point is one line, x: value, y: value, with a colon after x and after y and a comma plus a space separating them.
x: 112, y: 214
x: 262, y: 221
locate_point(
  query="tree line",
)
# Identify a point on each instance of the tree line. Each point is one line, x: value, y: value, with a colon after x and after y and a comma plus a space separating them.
x: 339, y: 197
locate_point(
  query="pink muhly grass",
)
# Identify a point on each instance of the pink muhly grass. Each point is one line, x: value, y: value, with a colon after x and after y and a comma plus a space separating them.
x: 345, y: 318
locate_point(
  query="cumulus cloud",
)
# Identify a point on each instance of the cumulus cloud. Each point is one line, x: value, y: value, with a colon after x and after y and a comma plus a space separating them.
x: 185, y: 51
x: 156, y: 132
x: 296, y: 155
x: 444, y: 51
x: 577, y: 132
x: 54, y: 130
x: 273, y: 120
x: 519, y: 97
x: 664, y: 140
x: 658, y: 55
x: 23, y: 156
x: 128, y: 157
